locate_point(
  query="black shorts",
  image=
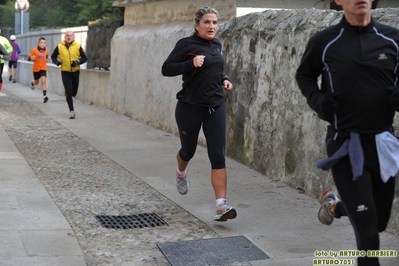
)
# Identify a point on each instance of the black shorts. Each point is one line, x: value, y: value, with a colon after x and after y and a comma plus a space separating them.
x: 41, y: 73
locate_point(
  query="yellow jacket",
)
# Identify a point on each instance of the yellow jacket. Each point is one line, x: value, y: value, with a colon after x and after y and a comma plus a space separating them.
x: 68, y: 55
x: 6, y: 44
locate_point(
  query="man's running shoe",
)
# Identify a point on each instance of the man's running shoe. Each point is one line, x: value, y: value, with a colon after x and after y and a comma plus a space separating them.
x: 328, y: 201
x: 14, y: 80
x: 224, y: 212
x: 73, y: 114
x: 45, y: 99
x: 182, y: 184
x: 32, y: 86
x: 10, y: 78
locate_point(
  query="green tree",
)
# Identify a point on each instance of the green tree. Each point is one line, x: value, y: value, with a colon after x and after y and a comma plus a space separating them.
x: 7, y: 12
x: 90, y: 11
x: 60, y: 13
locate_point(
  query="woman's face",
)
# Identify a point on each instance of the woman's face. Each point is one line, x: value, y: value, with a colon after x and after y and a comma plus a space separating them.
x: 208, y: 26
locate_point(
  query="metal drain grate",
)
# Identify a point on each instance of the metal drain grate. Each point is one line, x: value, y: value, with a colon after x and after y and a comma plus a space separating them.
x: 213, y: 251
x: 130, y: 221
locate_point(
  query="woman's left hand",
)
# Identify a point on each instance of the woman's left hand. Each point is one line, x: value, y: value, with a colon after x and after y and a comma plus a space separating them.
x: 228, y: 86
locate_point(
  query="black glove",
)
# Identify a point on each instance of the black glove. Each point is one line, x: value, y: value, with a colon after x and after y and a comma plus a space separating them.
x: 58, y: 63
x: 393, y: 97
x: 75, y: 63
x: 326, y: 106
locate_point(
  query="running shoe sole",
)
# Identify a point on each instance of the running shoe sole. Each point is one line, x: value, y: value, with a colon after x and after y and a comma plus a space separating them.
x: 324, y: 216
x: 230, y: 214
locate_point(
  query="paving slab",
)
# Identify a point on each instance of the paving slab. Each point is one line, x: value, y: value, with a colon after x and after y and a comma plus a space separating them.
x: 29, y: 218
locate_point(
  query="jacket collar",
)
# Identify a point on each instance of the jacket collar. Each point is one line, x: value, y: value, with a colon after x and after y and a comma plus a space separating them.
x: 350, y: 27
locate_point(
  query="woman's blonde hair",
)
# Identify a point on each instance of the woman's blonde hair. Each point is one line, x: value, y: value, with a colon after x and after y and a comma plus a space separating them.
x: 202, y: 11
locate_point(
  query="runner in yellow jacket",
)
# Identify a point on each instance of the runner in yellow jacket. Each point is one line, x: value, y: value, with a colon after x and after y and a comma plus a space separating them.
x: 69, y: 55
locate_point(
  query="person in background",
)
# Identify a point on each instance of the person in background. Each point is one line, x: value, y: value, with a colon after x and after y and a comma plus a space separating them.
x: 7, y: 45
x: 39, y: 56
x: 13, y: 63
x: 201, y: 103
x: 69, y: 55
x: 359, y: 94
x: 4, y: 54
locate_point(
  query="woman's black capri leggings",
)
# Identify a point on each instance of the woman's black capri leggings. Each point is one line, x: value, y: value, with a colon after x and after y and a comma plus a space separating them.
x: 189, y: 120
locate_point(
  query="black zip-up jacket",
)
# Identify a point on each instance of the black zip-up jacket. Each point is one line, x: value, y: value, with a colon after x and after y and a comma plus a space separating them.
x: 359, y: 68
x: 203, y: 85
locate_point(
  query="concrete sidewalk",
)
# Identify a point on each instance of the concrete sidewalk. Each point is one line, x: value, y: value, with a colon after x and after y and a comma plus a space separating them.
x: 33, y: 231
x: 278, y: 219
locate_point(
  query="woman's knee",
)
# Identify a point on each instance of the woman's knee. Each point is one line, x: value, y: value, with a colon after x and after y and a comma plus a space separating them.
x: 218, y: 163
x: 186, y: 156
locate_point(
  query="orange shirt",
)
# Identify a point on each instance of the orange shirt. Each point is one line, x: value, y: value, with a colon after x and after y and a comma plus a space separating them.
x: 40, y: 62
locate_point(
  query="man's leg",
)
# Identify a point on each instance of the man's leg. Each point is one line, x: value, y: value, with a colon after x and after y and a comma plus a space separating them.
x: 383, y: 194
x: 43, y: 80
x: 75, y: 82
x: 14, y: 72
x: 67, y: 81
x: 357, y: 197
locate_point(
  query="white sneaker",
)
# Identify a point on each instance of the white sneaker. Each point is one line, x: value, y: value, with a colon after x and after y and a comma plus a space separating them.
x: 182, y: 184
x: 73, y: 114
x: 224, y: 211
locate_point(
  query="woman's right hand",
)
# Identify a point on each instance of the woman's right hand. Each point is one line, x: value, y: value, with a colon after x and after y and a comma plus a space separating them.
x: 198, y: 61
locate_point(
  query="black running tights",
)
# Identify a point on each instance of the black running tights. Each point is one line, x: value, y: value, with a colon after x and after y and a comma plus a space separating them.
x: 367, y: 201
x: 189, y: 120
x: 71, y: 85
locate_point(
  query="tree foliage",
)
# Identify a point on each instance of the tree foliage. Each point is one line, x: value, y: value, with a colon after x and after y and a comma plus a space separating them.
x: 60, y: 13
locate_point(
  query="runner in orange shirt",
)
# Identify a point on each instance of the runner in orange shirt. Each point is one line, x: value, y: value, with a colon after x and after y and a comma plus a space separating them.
x: 39, y: 56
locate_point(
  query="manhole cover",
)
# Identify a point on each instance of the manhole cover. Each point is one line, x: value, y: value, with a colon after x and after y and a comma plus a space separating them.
x: 214, y: 251
x: 130, y: 221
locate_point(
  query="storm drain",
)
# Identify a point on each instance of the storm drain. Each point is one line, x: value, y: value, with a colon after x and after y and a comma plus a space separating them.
x: 130, y: 221
x: 214, y: 251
